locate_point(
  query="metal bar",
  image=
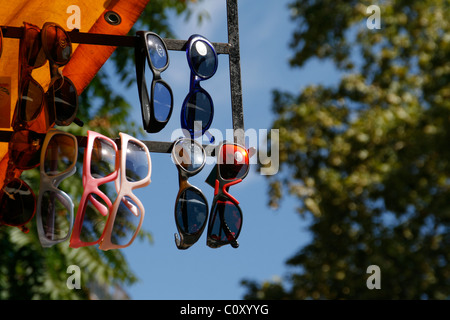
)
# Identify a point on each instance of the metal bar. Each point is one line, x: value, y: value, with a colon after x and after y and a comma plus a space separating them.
x: 113, y: 40
x: 235, y: 72
x: 153, y: 146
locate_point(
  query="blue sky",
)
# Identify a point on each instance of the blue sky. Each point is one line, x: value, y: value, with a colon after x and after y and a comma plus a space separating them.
x: 268, y: 237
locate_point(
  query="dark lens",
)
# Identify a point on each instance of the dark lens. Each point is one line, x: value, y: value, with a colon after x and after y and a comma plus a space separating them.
x: 233, y: 162
x: 55, y: 216
x: 30, y: 101
x: 65, y: 99
x: 56, y: 43
x: 162, y: 101
x: 126, y: 222
x: 198, y: 111
x: 103, y: 158
x: 227, y: 222
x: 17, y: 203
x: 157, y: 51
x: 25, y: 147
x: 60, y: 154
x: 191, y: 211
x: 188, y: 154
x: 33, y: 53
x: 203, y: 59
x: 94, y: 220
x: 137, y: 165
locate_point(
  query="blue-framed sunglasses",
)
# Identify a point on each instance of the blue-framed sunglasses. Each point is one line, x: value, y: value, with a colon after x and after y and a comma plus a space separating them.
x: 157, y: 106
x: 198, y: 109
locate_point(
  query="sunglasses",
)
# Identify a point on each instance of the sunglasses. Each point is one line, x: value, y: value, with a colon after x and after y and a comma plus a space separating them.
x: 100, y: 166
x: 198, y: 109
x: 127, y: 213
x: 17, y: 199
x: 54, y: 216
x: 191, y: 206
x: 225, y: 220
x: 36, y: 46
x: 157, y: 107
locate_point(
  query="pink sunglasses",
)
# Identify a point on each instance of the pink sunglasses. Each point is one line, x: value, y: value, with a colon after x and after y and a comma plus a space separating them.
x: 127, y: 213
x: 101, y: 166
x: 99, y: 221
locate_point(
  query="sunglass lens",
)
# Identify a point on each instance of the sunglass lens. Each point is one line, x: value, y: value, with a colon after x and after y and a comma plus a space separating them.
x: 137, y: 165
x: 157, y: 51
x: 198, y: 111
x: 191, y: 211
x: 55, y: 216
x: 189, y: 154
x: 94, y: 219
x: 35, y: 57
x: 65, y: 99
x: 203, y: 59
x: 25, y: 147
x: 30, y: 101
x: 233, y: 162
x: 162, y: 101
x: 103, y: 158
x: 60, y: 154
x: 17, y: 203
x: 226, y: 224
x: 126, y: 222
x: 56, y: 43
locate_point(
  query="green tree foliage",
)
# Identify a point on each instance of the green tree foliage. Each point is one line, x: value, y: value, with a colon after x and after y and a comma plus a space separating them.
x: 28, y: 271
x: 368, y: 158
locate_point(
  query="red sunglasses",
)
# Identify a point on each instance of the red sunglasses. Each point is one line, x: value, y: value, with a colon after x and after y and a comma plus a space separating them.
x: 225, y: 221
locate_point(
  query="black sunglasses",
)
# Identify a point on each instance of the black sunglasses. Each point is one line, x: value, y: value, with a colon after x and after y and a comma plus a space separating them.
x: 157, y: 107
x: 225, y: 222
x: 197, y: 111
x: 191, y: 206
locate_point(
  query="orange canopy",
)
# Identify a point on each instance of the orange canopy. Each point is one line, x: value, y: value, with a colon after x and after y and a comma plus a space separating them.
x: 87, y: 59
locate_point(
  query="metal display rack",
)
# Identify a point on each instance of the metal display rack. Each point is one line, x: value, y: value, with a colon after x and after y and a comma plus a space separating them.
x: 231, y: 49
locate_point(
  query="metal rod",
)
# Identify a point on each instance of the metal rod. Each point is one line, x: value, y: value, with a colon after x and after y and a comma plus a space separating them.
x: 113, y: 40
x: 153, y: 146
x: 235, y: 72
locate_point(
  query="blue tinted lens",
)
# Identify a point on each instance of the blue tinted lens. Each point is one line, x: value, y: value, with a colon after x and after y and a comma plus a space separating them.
x: 103, y: 158
x: 203, y: 59
x: 227, y: 221
x: 157, y: 51
x: 136, y: 162
x: 162, y: 101
x: 191, y: 211
x: 127, y: 221
x: 198, y: 111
